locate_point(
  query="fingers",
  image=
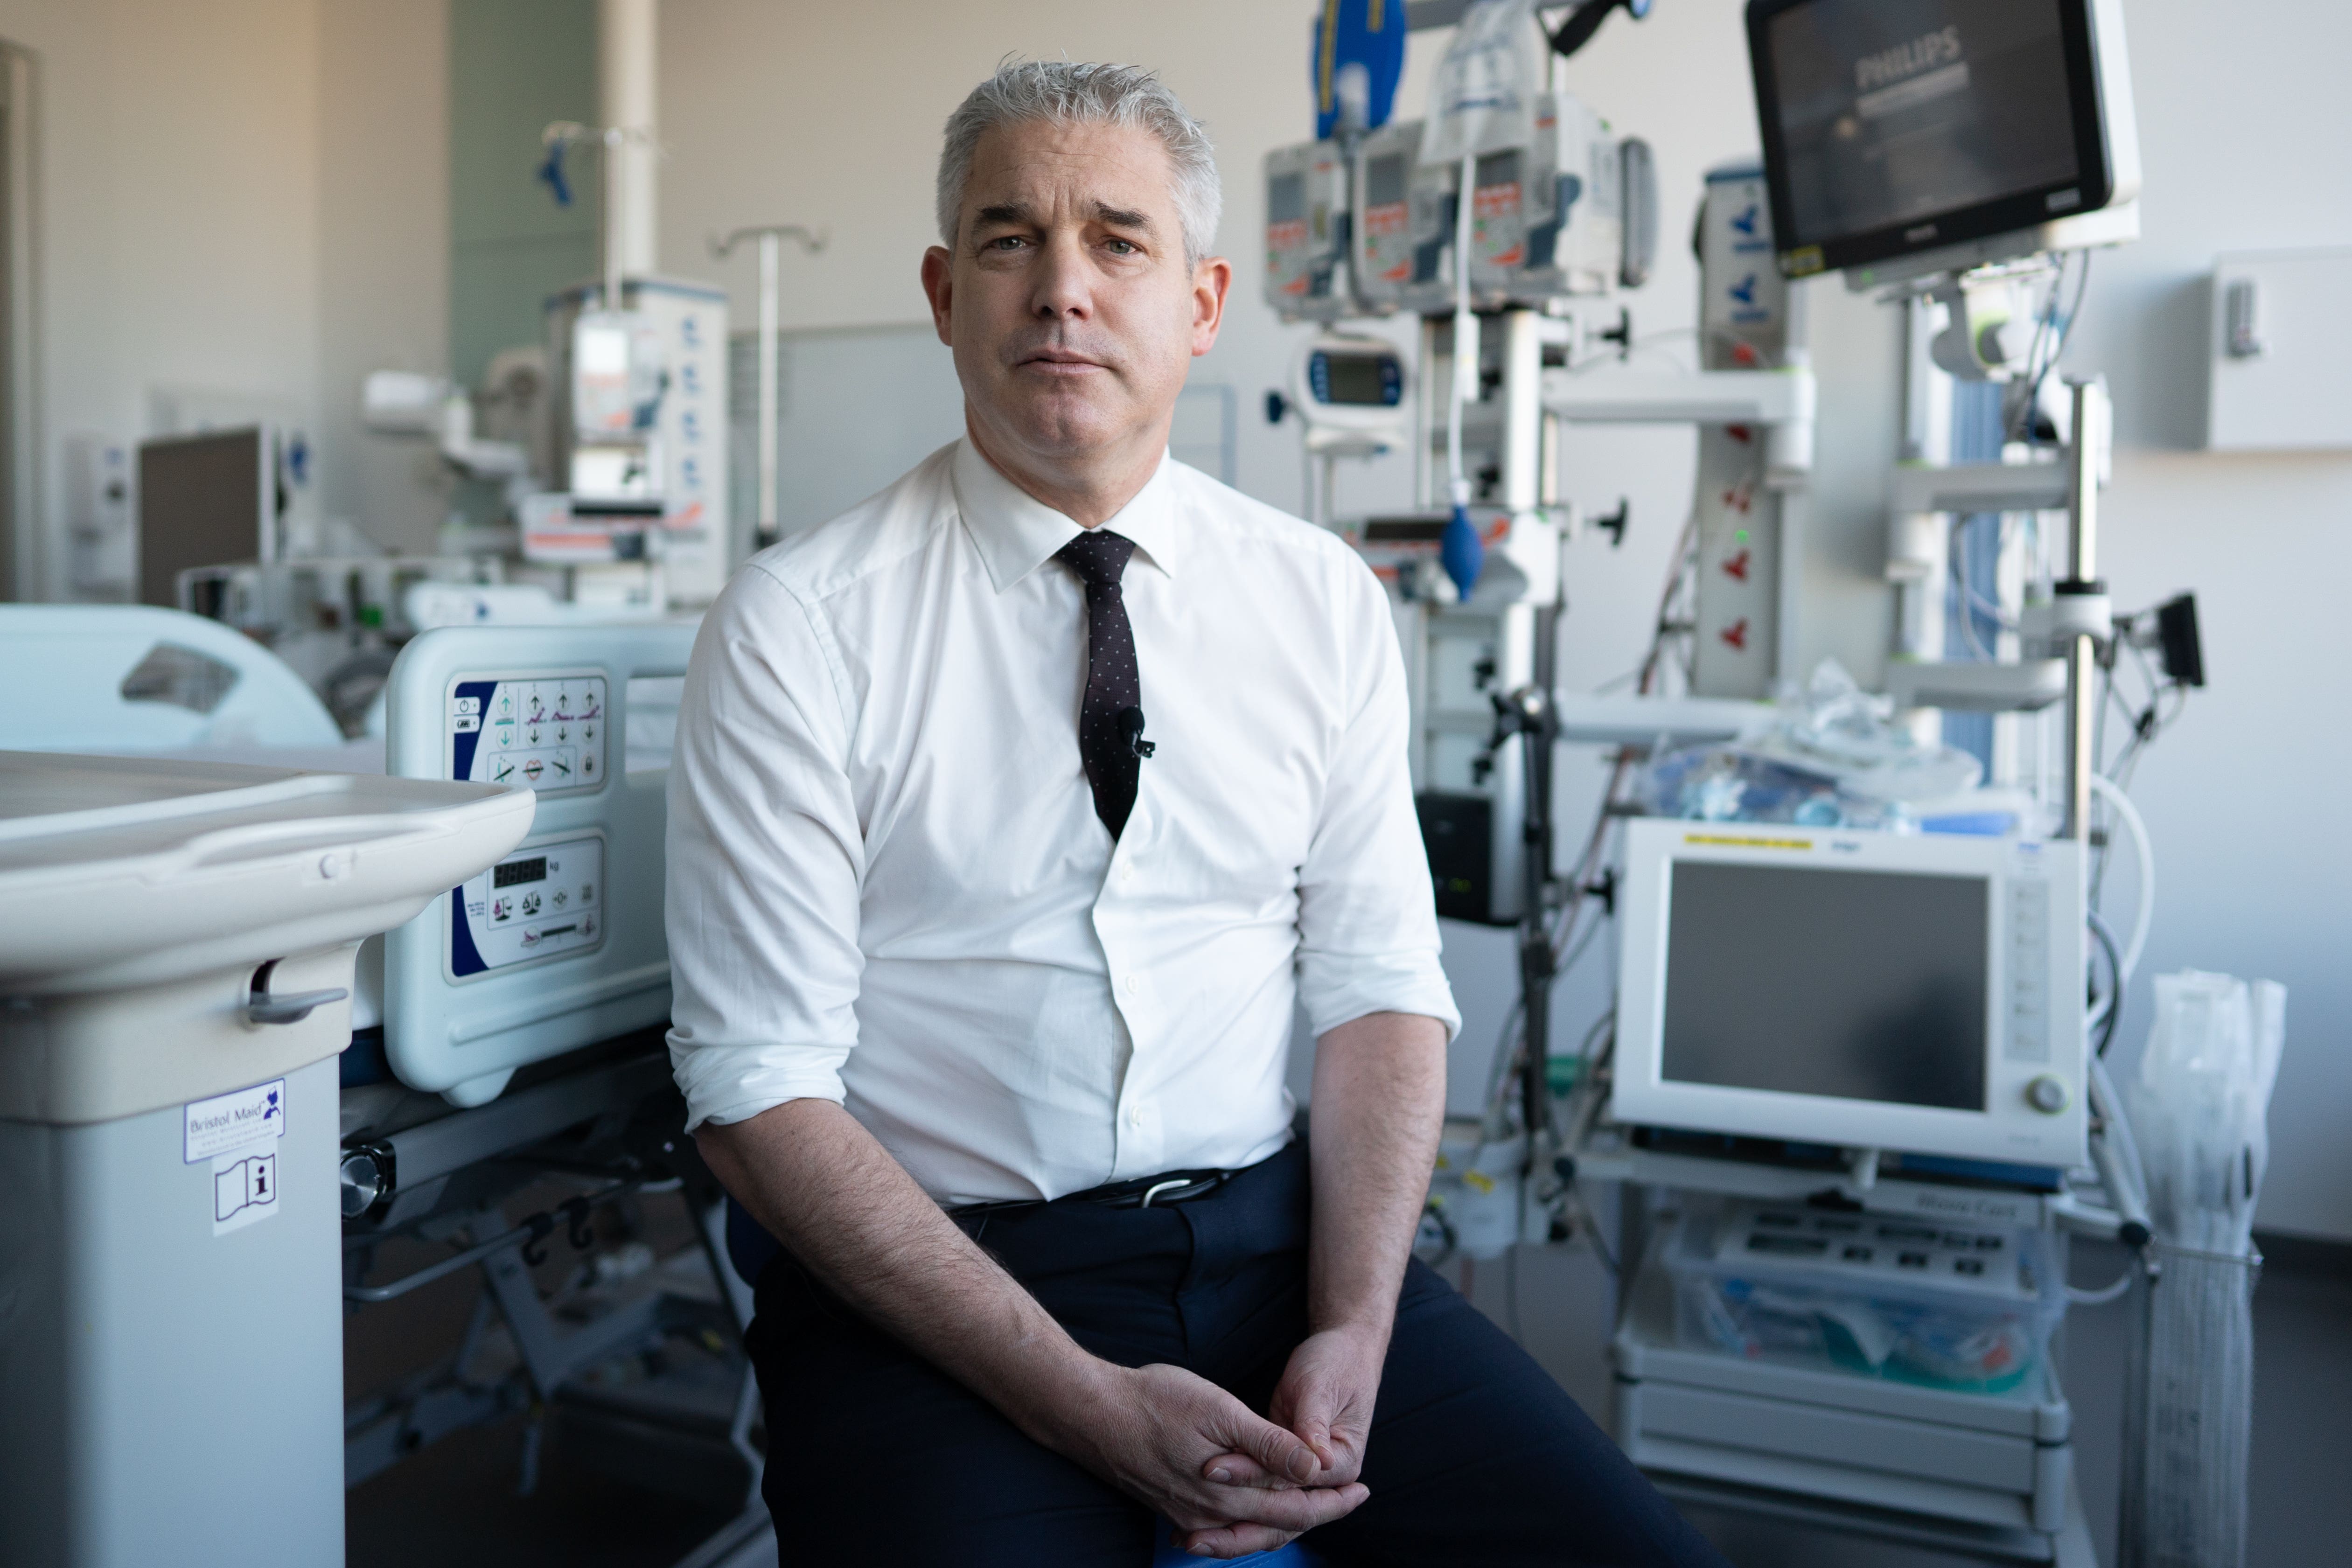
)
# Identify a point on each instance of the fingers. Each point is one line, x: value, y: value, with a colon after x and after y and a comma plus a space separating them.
x: 1302, y: 1511
x: 1315, y: 1433
x: 1231, y: 1469
x: 1286, y: 1513
x: 1276, y: 1449
x: 1233, y: 1540
x: 1326, y: 1397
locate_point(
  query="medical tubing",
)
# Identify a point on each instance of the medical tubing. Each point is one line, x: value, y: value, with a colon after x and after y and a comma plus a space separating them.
x: 2116, y: 1157
x: 1465, y: 340
x: 2105, y: 1018
x: 2077, y: 1296
x: 2145, y: 915
x: 1498, y: 1073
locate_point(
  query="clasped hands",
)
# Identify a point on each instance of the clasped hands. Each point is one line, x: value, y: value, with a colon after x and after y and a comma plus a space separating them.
x: 1230, y: 1480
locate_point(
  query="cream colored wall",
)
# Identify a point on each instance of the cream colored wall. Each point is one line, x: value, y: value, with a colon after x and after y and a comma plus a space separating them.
x: 177, y: 222
x: 383, y: 252
x: 2246, y: 135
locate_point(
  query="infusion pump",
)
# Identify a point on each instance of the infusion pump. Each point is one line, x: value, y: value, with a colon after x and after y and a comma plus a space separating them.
x: 1369, y: 230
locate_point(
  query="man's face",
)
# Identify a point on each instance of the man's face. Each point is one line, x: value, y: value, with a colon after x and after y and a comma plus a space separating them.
x: 1068, y: 299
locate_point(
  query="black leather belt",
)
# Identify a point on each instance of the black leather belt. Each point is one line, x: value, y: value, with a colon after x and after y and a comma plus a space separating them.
x: 1144, y: 1192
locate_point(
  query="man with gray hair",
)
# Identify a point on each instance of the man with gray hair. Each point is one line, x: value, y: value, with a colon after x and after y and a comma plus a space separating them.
x: 1015, y: 814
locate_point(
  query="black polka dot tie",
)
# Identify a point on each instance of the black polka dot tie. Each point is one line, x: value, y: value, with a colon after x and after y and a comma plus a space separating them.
x: 1110, y: 720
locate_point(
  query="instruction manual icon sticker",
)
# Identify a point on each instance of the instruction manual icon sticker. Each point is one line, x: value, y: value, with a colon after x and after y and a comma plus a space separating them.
x: 234, y: 1121
x: 245, y: 1189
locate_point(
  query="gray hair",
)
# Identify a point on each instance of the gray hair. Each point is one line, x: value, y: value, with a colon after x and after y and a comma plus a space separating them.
x: 1062, y: 93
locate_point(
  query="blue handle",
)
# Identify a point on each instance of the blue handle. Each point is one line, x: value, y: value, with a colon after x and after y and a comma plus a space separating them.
x: 553, y: 172
x: 1462, y: 552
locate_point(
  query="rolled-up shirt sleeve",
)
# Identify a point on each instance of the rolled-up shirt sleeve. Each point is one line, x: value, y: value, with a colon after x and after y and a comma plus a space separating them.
x: 1368, y: 937
x: 765, y: 862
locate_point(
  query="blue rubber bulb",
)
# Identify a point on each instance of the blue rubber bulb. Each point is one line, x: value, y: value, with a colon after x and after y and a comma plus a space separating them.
x: 1461, y: 552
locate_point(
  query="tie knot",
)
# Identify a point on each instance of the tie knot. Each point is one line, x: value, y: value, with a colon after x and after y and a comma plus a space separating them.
x: 1098, y: 555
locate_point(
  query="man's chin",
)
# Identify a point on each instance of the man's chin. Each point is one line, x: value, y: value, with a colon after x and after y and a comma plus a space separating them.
x: 1063, y: 426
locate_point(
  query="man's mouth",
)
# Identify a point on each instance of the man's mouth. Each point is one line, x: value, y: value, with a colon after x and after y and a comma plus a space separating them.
x: 1060, y: 362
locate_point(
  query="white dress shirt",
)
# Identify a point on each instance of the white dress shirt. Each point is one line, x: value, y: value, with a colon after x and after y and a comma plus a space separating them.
x: 887, y: 884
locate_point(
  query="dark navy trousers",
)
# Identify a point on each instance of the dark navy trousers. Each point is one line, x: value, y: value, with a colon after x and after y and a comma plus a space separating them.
x: 1476, y: 1456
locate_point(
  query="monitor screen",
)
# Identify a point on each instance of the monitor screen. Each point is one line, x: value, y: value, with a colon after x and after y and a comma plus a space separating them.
x: 202, y: 502
x: 1357, y: 379
x: 1849, y: 984
x: 1286, y: 199
x: 1884, y: 116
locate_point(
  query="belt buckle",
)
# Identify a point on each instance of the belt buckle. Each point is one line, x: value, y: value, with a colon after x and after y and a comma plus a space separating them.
x: 1176, y: 1189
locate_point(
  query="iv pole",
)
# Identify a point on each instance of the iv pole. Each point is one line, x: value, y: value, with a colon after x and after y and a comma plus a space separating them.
x: 770, y: 236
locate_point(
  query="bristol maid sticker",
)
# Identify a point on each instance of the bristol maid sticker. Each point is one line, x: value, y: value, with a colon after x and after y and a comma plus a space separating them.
x: 228, y: 1122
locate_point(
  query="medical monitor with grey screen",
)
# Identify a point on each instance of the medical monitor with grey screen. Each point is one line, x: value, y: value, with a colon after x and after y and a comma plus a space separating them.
x: 1849, y: 984
x: 1897, y: 124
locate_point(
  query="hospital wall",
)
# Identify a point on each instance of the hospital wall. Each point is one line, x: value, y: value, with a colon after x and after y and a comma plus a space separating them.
x: 176, y: 196
x: 383, y: 252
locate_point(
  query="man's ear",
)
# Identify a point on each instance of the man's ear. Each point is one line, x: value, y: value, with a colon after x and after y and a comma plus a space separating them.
x: 939, y: 288
x: 1210, y: 280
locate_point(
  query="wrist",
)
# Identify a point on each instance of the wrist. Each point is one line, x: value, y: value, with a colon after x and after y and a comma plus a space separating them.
x: 1058, y: 1401
x: 1367, y: 1332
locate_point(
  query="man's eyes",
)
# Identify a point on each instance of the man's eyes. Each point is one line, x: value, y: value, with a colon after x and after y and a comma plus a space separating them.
x: 1005, y: 244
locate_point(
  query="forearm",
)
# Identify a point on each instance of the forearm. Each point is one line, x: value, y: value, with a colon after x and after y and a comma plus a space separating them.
x: 853, y: 1218
x: 1378, y: 1105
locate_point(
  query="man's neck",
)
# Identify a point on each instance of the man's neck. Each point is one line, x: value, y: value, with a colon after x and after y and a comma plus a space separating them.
x: 1089, y: 493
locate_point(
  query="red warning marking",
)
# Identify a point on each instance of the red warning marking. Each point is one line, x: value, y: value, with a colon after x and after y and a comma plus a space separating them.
x: 1736, y: 567
x: 1737, y: 634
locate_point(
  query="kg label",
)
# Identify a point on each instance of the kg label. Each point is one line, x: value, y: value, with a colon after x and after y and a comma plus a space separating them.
x: 229, y: 1121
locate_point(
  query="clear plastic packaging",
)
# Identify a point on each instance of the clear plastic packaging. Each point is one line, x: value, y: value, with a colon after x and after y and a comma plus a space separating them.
x: 2198, y: 1101
x: 1914, y: 1300
x: 2188, y: 1425
x: 1832, y: 757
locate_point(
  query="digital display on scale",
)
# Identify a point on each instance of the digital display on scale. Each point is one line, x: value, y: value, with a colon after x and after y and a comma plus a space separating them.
x: 546, y: 901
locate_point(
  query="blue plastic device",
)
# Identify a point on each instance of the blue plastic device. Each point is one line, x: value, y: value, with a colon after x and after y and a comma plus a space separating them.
x: 1367, y: 33
x: 1461, y: 551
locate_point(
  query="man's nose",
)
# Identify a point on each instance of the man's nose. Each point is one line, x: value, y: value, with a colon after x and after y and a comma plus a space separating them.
x: 1064, y: 288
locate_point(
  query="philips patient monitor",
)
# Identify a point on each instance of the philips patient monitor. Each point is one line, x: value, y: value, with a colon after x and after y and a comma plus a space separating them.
x: 1957, y: 131
x: 1912, y: 993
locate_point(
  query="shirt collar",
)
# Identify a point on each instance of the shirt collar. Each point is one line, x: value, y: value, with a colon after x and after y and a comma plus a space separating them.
x: 1016, y: 533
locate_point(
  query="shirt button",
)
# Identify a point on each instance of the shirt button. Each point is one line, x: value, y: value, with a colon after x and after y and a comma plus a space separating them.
x: 1130, y: 985
x: 1127, y: 874
x: 1135, y: 1116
